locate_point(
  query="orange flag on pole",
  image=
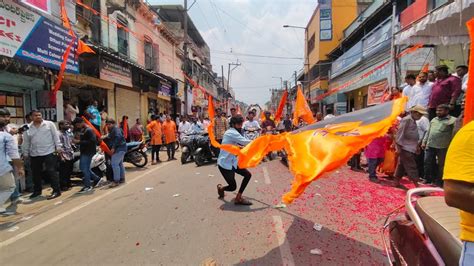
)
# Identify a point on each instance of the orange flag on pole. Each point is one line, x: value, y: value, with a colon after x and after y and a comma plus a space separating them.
x: 426, y: 68
x: 279, y: 111
x: 302, y: 109
x: 469, y: 103
x: 82, y: 47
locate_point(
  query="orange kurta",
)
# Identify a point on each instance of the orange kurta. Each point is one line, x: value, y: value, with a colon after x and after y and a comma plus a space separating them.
x: 156, y: 133
x: 169, y: 130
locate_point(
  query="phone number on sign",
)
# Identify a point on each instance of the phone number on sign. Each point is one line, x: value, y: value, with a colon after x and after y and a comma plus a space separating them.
x: 5, y: 51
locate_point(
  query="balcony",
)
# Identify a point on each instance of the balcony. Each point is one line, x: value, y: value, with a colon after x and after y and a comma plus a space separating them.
x: 363, y: 16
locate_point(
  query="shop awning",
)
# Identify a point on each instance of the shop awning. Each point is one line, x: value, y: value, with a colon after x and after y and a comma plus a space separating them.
x: 443, y: 26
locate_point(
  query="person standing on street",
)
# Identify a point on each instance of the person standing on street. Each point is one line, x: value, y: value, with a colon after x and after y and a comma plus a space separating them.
x: 375, y: 152
x: 41, y: 143
x: 409, y: 90
x: 94, y: 115
x: 436, y: 143
x: 118, y: 146
x: 422, y: 90
x: 66, y: 157
x: 446, y: 90
x: 407, y: 146
x: 220, y: 126
x: 227, y: 162
x: 184, y: 126
x: 169, y: 130
x: 8, y: 151
x: 156, y: 134
x: 423, y: 125
x: 459, y: 187
x: 136, y: 132
x: 87, y: 142
x: 70, y: 110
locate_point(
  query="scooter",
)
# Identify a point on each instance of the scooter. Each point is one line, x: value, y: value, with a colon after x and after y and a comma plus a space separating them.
x: 204, y: 152
x: 98, y: 165
x: 426, y: 233
x: 188, y: 146
x: 136, y: 154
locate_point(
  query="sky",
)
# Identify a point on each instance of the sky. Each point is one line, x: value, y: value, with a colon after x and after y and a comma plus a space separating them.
x: 252, y: 27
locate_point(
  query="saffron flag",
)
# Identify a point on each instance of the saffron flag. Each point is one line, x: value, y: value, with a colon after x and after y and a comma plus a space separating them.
x: 469, y: 103
x: 279, y: 111
x: 426, y: 68
x: 321, y: 147
x: 302, y: 109
x: 82, y: 47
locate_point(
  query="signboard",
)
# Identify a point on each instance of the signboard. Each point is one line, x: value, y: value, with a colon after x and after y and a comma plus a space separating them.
x: 50, y: 111
x: 325, y: 20
x: 115, y: 72
x: 32, y: 38
x: 376, y: 92
x: 378, y: 39
x: 340, y: 108
x: 165, y: 88
x: 41, y: 5
x: 346, y: 61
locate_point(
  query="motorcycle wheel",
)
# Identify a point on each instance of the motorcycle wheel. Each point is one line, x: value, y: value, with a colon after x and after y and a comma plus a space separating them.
x: 139, y: 159
x: 199, y: 159
x: 184, y: 157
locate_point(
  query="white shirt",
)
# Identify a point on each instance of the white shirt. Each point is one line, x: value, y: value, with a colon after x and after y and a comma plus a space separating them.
x: 184, y: 126
x: 329, y: 116
x: 409, y: 91
x: 42, y: 140
x: 464, y: 82
x: 250, y: 124
x: 423, y: 125
x: 421, y: 94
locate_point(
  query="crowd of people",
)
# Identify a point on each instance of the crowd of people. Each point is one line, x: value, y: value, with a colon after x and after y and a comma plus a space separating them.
x: 417, y: 144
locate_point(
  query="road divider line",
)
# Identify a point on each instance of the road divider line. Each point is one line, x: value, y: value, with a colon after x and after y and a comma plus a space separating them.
x: 73, y: 210
x: 266, y: 176
x: 284, y: 246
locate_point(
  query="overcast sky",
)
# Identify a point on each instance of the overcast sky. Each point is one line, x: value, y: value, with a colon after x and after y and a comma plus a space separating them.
x: 252, y: 27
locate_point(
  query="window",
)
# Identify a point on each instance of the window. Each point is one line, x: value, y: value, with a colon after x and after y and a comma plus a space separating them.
x: 122, y: 36
x: 149, y: 56
x: 311, y: 44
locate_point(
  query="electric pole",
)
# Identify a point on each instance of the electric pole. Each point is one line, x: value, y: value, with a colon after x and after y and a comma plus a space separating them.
x: 186, y: 55
x: 229, y: 71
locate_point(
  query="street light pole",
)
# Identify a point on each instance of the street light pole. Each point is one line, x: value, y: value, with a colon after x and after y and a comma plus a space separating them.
x: 306, y: 55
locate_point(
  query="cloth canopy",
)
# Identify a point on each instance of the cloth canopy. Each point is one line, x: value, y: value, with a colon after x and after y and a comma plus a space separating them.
x: 444, y: 26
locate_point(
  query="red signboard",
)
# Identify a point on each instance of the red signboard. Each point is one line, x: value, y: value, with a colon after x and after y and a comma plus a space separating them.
x: 376, y: 92
x: 42, y: 5
x: 413, y: 12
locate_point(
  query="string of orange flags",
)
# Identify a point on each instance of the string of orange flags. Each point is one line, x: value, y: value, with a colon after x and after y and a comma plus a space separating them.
x: 367, y: 74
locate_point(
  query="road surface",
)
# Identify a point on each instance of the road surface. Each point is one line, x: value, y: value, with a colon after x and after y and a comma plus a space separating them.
x: 169, y: 214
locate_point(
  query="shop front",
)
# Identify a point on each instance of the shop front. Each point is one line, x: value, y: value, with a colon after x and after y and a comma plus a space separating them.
x: 126, y: 99
x: 81, y: 91
x: 165, y: 90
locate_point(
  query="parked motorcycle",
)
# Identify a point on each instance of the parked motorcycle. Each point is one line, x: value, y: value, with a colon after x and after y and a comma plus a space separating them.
x: 136, y: 154
x: 204, y: 152
x: 426, y: 233
x: 188, y: 146
x: 98, y: 164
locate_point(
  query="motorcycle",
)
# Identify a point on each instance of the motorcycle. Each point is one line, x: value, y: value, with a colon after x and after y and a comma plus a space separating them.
x: 136, y: 154
x: 188, y: 146
x: 98, y: 164
x: 204, y: 152
x: 427, y: 233
x: 270, y: 131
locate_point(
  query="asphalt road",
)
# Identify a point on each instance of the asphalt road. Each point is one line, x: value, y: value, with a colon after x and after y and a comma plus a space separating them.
x: 169, y: 214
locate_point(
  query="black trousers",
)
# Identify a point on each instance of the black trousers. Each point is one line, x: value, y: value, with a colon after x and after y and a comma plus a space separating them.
x: 229, y: 176
x: 170, y: 150
x: 155, y: 150
x: 65, y: 171
x: 49, y: 162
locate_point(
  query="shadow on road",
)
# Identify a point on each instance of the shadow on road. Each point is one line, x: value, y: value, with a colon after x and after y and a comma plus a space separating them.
x: 230, y: 206
x: 337, y: 249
